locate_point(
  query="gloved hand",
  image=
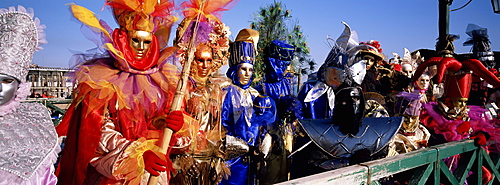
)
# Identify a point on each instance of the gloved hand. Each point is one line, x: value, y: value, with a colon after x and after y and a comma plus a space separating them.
x: 175, y: 120
x: 463, y: 128
x: 481, y: 138
x: 153, y: 163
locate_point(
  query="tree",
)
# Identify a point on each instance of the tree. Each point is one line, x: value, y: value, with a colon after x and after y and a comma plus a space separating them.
x: 303, y: 63
x: 273, y: 22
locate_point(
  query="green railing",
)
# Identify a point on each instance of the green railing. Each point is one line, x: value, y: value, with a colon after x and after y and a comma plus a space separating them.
x: 427, y: 164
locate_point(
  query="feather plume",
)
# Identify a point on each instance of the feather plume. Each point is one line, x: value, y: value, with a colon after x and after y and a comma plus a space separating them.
x: 88, y: 18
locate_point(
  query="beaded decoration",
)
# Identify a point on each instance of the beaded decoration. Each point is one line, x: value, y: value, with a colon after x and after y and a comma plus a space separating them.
x: 20, y: 36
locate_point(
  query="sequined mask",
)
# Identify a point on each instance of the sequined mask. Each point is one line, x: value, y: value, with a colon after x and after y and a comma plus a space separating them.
x: 350, y: 100
x: 349, y: 110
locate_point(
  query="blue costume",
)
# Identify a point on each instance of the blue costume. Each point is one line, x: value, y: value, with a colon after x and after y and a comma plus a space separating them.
x: 237, y: 109
x: 278, y: 57
x: 319, y: 107
x: 278, y: 136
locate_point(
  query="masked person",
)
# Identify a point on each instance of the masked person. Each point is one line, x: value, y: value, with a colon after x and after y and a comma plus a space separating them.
x: 278, y: 57
x: 317, y: 95
x: 30, y: 146
x: 345, y: 65
x: 200, y: 160
x: 278, y: 86
x: 373, y: 58
x: 422, y: 85
x: 401, y: 81
x: 408, y: 66
x: 237, y: 108
x: 334, y: 140
x: 412, y: 135
x: 451, y: 118
x: 122, y: 100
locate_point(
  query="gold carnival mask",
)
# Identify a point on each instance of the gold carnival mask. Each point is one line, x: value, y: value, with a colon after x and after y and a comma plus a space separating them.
x: 203, y: 61
x: 140, y: 42
x: 202, y: 65
x: 410, y: 123
x: 459, y: 102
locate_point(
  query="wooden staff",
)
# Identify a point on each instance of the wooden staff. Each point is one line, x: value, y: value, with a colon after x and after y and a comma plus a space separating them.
x: 179, y: 94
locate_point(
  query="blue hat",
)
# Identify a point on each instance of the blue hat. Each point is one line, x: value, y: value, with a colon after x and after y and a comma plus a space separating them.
x: 241, y: 52
x: 279, y: 56
x: 281, y: 50
x: 244, y: 48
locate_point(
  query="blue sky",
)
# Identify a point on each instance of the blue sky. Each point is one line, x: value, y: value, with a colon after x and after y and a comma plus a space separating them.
x: 396, y: 24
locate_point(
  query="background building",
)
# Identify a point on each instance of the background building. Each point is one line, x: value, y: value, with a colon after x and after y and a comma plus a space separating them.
x: 50, y: 82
